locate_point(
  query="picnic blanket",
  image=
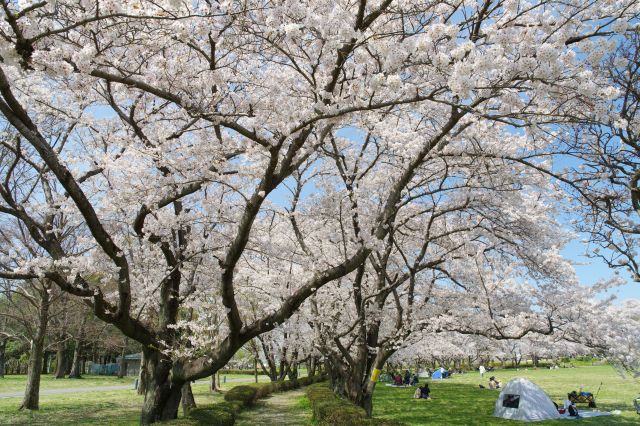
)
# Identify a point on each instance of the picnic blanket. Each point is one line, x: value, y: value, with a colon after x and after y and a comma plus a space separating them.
x: 586, y: 414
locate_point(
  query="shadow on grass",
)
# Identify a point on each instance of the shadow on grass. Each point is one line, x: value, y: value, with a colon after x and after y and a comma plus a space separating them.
x: 465, y: 404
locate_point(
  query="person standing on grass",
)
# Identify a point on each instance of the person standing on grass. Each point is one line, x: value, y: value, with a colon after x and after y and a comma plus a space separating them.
x: 482, y: 370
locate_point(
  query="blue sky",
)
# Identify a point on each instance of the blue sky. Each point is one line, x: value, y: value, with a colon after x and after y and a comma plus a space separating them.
x: 590, y: 271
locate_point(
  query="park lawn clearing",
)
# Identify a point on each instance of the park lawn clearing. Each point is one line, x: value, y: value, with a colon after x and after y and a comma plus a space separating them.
x: 118, y: 408
x: 16, y: 383
x: 460, y: 401
x: 456, y: 401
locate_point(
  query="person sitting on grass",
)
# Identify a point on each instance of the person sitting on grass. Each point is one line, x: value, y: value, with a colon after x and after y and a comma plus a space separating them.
x: 494, y: 383
x: 425, y: 391
x: 397, y: 380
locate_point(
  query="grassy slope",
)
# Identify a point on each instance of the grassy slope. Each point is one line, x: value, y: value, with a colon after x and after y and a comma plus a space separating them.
x: 459, y: 400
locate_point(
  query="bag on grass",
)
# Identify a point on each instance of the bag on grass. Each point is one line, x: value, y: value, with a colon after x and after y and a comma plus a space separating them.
x: 573, y: 411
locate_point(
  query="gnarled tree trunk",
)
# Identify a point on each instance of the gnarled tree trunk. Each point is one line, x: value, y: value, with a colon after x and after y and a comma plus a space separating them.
x: 162, y: 392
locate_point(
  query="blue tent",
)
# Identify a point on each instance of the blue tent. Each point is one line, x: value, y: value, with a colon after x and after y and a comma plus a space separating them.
x: 440, y: 373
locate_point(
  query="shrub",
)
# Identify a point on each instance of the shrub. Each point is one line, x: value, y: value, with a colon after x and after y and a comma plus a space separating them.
x: 329, y: 409
x: 238, y: 397
x: 241, y: 371
x: 221, y: 414
x: 265, y: 390
x: 246, y: 395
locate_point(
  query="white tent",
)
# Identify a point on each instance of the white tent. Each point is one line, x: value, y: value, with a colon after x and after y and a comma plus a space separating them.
x: 522, y: 400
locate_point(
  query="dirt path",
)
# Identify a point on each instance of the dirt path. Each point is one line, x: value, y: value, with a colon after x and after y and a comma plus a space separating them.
x: 279, y: 409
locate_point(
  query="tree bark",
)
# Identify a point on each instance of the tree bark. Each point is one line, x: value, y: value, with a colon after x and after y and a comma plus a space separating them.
x: 367, y: 403
x: 311, y: 366
x: 45, y: 362
x: 213, y: 387
x: 123, y: 363
x: 32, y: 390
x: 255, y: 369
x: 142, y: 377
x: 3, y: 348
x: 163, y: 392
x: 293, y: 371
x: 61, y: 359
x: 76, y: 372
x: 68, y: 361
x: 188, y: 401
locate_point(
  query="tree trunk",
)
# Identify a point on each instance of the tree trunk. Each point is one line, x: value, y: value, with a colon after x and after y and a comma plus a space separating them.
x: 32, y: 390
x: 293, y: 371
x: 61, y: 359
x: 68, y: 362
x: 3, y: 348
x: 163, y: 394
x: 142, y: 377
x: 188, y: 401
x: 367, y: 403
x: 255, y: 368
x: 45, y: 362
x: 76, y: 365
x: 213, y: 387
x: 311, y: 367
x: 123, y: 363
x: 76, y: 372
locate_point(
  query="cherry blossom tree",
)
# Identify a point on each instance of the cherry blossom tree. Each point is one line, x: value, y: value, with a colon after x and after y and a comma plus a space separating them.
x: 604, y: 149
x: 162, y: 134
x: 620, y: 332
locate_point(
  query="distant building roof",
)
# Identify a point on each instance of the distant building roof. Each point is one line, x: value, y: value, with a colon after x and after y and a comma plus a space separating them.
x: 132, y: 357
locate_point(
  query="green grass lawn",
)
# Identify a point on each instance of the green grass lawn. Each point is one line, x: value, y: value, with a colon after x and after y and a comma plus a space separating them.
x: 17, y: 383
x: 456, y: 401
x: 117, y: 408
x: 459, y: 400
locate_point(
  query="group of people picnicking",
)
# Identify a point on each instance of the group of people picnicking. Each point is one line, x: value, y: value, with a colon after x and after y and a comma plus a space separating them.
x: 408, y: 380
x: 493, y: 383
x: 422, y: 392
